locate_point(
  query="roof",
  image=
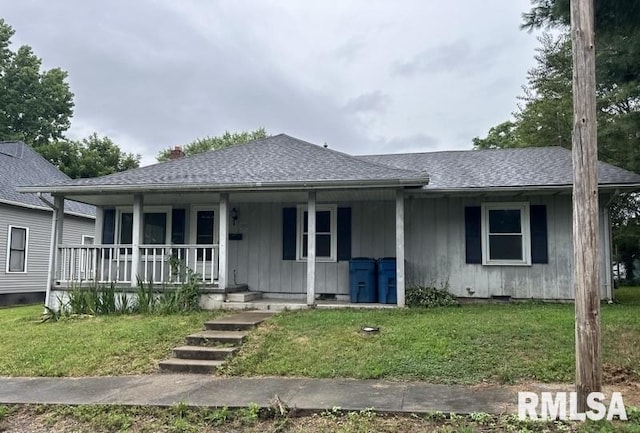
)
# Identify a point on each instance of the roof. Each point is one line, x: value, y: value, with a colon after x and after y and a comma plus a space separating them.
x: 278, y: 161
x: 20, y: 165
x: 500, y: 168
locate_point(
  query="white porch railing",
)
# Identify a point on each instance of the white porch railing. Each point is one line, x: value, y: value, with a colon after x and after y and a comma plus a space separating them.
x: 159, y: 264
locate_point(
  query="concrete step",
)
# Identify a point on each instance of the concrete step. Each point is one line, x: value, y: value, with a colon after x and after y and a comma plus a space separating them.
x: 243, y: 296
x: 204, y: 352
x: 234, y: 288
x: 199, y: 366
x: 238, y: 322
x: 212, y: 338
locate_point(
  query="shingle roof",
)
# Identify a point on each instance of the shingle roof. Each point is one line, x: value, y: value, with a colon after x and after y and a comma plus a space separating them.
x: 20, y: 165
x: 523, y: 167
x: 279, y: 160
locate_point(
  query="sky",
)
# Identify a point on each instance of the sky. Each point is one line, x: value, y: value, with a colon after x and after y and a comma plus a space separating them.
x: 362, y: 76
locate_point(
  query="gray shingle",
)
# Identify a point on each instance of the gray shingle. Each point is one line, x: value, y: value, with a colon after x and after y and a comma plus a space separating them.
x: 276, y: 159
x: 524, y: 167
x: 20, y: 165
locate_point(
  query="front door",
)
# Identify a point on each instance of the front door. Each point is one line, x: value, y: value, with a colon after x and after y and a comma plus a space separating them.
x: 204, y: 234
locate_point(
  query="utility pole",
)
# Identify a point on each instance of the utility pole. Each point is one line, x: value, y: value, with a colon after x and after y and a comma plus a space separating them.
x: 585, y: 203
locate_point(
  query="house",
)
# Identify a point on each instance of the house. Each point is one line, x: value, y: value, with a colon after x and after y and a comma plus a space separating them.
x: 284, y: 217
x: 25, y: 224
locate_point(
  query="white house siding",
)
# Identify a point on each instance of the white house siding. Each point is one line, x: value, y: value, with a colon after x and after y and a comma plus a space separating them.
x: 257, y: 258
x: 39, y: 224
x: 435, y: 251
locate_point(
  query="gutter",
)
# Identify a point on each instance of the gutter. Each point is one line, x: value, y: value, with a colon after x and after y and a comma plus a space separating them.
x: 45, y: 208
x: 617, y: 187
x: 251, y: 186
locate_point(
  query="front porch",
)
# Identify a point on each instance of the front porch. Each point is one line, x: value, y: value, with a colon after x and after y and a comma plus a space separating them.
x: 293, y: 248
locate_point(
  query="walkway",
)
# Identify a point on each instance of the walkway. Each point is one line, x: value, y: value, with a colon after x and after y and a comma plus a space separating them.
x: 305, y: 394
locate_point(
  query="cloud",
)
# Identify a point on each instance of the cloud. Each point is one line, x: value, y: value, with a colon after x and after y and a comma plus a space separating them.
x: 455, y: 57
x: 373, y: 101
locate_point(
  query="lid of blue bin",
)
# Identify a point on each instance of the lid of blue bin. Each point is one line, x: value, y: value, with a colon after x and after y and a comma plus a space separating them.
x: 387, y: 259
x: 362, y: 259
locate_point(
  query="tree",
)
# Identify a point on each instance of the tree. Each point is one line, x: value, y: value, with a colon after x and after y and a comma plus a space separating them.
x: 214, y: 143
x: 35, y: 106
x: 91, y: 157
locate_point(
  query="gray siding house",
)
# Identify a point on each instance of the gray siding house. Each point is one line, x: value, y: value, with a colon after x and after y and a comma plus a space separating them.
x: 284, y: 217
x: 26, y: 223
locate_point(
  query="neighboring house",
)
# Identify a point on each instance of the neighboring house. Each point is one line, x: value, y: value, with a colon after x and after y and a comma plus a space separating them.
x: 25, y: 224
x: 493, y: 223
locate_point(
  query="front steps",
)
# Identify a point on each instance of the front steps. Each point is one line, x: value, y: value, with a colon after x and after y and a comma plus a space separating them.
x: 207, y: 350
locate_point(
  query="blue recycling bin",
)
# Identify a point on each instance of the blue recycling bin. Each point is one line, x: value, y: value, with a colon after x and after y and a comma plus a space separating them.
x: 362, y: 280
x: 387, y: 287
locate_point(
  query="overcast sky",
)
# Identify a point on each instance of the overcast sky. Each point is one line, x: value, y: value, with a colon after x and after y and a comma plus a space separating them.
x: 363, y: 76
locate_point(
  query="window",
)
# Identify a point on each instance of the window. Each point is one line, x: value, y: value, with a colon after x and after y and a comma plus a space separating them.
x: 17, y: 243
x: 155, y: 224
x: 506, y: 234
x: 326, y: 244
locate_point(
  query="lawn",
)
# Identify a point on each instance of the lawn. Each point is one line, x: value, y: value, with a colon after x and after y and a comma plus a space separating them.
x: 105, y: 345
x: 503, y: 343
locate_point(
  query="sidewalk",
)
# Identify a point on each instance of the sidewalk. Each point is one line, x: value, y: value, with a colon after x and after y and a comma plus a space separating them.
x: 305, y: 394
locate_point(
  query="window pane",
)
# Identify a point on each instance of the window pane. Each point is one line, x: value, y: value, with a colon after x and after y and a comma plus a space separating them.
x: 305, y: 245
x: 204, y: 227
x: 126, y: 228
x: 305, y: 222
x: 18, y: 238
x: 505, y: 247
x: 155, y: 225
x: 323, y: 245
x: 323, y: 221
x: 504, y: 221
x: 16, y: 261
x: 178, y: 217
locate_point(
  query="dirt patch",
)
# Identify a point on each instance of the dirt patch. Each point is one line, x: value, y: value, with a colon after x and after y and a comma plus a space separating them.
x: 615, y: 375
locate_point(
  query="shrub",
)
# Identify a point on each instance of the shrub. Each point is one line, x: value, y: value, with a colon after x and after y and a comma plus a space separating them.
x: 428, y: 296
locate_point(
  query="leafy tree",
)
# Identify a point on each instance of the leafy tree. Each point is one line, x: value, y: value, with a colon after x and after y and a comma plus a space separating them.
x: 214, y: 143
x: 91, y: 157
x: 35, y: 106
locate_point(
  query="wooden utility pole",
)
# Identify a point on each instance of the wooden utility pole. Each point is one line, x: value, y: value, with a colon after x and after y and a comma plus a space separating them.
x: 585, y: 203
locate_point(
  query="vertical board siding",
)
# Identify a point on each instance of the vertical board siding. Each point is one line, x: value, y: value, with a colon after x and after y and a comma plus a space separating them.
x: 435, y: 251
x: 39, y: 224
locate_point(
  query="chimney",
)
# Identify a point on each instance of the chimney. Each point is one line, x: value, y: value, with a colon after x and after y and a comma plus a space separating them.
x: 176, y: 153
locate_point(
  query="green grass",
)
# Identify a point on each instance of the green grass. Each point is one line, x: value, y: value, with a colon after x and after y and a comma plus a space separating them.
x: 89, y: 346
x: 497, y: 342
x: 181, y: 419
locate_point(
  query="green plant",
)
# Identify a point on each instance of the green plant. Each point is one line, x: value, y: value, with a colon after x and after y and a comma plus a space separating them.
x: 145, y: 302
x: 428, y: 296
x: 250, y: 414
x: 218, y: 417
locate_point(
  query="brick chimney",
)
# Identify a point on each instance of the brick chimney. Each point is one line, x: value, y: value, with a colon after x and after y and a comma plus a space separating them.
x: 176, y: 153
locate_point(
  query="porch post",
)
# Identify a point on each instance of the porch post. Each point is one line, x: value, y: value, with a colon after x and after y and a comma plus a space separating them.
x: 223, y: 226
x: 99, y: 226
x: 311, y: 248
x: 57, y: 222
x: 137, y: 237
x: 400, y: 283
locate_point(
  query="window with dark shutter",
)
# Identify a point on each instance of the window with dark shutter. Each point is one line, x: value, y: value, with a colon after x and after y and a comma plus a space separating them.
x: 539, y: 249
x: 473, y: 234
x: 289, y: 233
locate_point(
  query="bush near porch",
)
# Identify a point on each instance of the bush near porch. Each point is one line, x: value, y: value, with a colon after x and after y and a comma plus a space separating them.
x: 467, y: 344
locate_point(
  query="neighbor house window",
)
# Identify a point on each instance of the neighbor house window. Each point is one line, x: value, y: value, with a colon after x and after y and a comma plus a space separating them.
x: 326, y: 244
x: 17, y: 243
x: 506, y: 234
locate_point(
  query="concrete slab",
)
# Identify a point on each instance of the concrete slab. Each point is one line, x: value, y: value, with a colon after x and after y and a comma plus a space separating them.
x: 301, y: 393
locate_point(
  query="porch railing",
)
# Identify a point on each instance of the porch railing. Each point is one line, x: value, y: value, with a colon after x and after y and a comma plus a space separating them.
x: 159, y: 264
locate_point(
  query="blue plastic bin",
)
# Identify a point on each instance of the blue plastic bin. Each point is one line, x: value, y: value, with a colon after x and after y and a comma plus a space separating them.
x: 387, y: 287
x: 362, y: 280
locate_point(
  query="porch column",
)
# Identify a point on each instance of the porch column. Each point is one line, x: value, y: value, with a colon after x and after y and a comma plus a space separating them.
x: 99, y: 227
x: 400, y: 246
x: 311, y: 249
x: 57, y: 223
x: 223, y: 254
x: 137, y: 237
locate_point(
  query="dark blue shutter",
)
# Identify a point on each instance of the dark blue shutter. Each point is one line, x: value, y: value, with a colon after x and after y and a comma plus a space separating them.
x: 178, y: 217
x: 473, y: 234
x: 344, y: 233
x: 538, y: 217
x: 289, y: 233
x: 108, y: 226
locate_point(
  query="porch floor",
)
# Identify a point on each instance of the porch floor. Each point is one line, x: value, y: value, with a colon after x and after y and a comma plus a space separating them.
x: 281, y: 304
